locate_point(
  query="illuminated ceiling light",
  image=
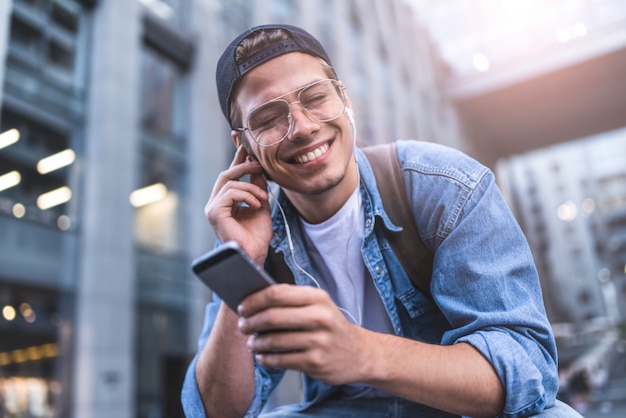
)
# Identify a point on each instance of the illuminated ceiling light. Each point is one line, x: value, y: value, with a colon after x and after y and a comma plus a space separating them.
x: 604, y: 275
x: 34, y: 353
x: 562, y: 36
x: 481, y: 62
x: 25, y: 309
x: 64, y: 222
x: 31, y: 317
x: 5, y: 359
x: 8, y: 312
x: 9, y: 137
x: 49, y: 350
x: 19, y: 210
x: 19, y: 355
x: 147, y: 195
x: 10, y: 179
x: 567, y: 211
x: 589, y: 205
x: 54, y: 198
x: 56, y: 161
x: 579, y: 30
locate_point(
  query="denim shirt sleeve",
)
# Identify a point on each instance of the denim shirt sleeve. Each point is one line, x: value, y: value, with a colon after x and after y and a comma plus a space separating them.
x: 484, y: 278
x: 265, y: 379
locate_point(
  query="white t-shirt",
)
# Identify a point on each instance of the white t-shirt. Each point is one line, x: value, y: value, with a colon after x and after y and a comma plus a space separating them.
x: 334, y: 247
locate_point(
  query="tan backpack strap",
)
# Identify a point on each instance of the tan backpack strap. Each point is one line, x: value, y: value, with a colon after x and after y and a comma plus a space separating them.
x: 416, y: 258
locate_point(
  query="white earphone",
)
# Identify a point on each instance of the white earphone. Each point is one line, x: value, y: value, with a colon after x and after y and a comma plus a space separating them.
x: 350, y: 114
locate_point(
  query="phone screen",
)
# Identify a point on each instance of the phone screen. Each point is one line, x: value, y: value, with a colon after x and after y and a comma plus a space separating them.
x: 231, y: 273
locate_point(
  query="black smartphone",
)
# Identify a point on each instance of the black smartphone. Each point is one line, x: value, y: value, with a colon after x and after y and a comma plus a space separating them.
x: 231, y: 273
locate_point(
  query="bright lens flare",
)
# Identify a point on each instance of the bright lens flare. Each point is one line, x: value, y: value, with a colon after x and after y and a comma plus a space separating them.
x: 147, y: 195
x: 54, y: 198
x: 481, y: 62
x: 56, y: 161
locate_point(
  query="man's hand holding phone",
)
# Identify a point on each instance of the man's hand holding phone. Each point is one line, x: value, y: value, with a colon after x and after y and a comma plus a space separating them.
x: 239, y: 210
x: 229, y: 272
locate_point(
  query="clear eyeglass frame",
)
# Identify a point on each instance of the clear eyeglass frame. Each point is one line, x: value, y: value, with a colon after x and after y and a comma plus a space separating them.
x: 287, y: 124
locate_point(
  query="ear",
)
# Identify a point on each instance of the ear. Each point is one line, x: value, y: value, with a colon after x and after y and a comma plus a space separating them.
x: 236, y: 138
x: 239, y: 141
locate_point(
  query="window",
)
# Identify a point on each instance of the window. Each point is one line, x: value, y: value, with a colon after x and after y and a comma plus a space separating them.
x: 33, y: 367
x: 159, y: 233
x: 39, y: 162
x: 43, y: 33
x: 158, y: 197
x: 171, y: 11
x: 157, y: 220
x: 161, y: 92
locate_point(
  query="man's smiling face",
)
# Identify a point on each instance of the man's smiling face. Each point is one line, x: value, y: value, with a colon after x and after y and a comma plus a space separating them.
x: 315, y: 156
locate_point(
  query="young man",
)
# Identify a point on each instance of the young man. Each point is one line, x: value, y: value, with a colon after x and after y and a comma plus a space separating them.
x: 367, y: 341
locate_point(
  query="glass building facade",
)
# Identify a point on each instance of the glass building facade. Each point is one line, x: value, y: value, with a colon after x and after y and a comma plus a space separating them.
x: 41, y: 124
x: 63, y: 317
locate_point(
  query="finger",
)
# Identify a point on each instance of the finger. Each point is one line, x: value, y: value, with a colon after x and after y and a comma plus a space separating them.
x: 235, y: 189
x: 273, y: 320
x: 310, y: 317
x: 236, y: 172
x: 318, y: 354
x: 282, y: 341
x: 259, y: 179
x: 230, y: 179
x: 240, y: 156
x: 231, y: 197
x: 281, y: 295
x: 281, y: 358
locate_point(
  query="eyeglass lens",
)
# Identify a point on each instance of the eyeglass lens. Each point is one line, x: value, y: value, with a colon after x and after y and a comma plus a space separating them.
x: 322, y: 101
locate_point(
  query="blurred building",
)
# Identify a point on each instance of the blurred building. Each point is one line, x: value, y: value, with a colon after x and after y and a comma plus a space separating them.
x: 110, y: 139
x: 570, y: 199
x: 527, y: 74
x: 523, y: 77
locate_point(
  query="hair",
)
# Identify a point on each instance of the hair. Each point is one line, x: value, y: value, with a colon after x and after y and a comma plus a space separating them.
x: 249, y: 46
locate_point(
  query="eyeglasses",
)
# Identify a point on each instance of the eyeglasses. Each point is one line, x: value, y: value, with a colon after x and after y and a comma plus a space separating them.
x: 271, y: 122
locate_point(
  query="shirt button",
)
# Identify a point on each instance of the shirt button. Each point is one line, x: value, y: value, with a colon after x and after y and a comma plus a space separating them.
x: 368, y: 222
x: 378, y: 269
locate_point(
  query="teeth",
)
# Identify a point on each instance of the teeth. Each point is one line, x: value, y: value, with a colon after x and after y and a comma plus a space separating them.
x: 310, y: 156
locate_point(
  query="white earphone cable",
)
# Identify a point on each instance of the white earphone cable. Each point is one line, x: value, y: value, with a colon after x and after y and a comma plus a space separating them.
x: 359, y: 318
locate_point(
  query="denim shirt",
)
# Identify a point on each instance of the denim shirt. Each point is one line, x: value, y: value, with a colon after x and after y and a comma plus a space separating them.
x: 485, y: 288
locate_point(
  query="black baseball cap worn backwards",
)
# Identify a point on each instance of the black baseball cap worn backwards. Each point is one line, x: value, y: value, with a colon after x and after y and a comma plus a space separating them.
x: 229, y: 73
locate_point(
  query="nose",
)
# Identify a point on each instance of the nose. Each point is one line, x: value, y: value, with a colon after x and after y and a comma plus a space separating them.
x: 301, y: 124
